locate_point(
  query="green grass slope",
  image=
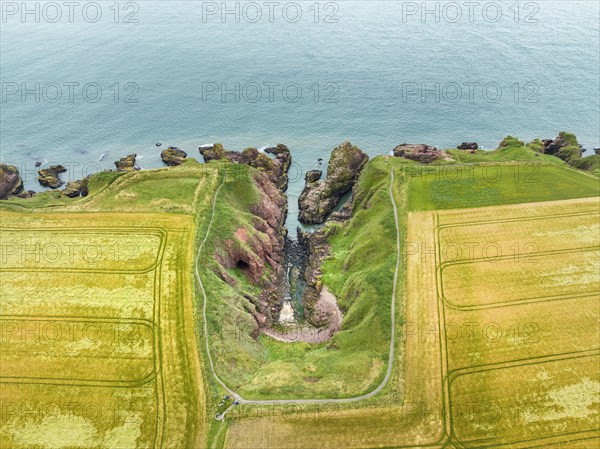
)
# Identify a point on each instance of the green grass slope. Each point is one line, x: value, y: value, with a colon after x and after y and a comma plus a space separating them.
x: 513, y: 173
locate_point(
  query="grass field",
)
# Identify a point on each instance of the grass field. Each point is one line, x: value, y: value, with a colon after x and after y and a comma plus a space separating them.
x: 463, y: 186
x: 98, y: 347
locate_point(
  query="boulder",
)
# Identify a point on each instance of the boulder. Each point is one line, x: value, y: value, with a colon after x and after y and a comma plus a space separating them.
x: 10, y: 181
x: 320, y: 197
x: 127, y: 164
x: 468, y: 146
x: 50, y: 177
x: 74, y: 189
x: 173, y: 156
x: 418, y: 152
x: 26, y: 194
x: 312, y: 176
x: 213, y: 153
x: 564, y: 146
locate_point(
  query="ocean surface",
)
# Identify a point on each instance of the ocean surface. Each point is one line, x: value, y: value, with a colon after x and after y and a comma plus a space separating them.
x: 116, y: 78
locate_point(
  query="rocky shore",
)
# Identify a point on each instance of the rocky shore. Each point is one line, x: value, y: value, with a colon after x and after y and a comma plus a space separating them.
x: 276, y: 169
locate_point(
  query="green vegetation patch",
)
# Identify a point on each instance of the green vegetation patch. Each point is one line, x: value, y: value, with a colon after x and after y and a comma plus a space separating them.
x: 456, y: 187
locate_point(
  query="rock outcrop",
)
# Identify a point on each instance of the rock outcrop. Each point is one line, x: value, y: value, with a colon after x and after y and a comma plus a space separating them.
x: 50, y: 177
x: 553, y: 146
x: 281, y: 165
x: 276, y: 168
x: 11, y: 183
x: 564, y: 146
x: 317, y: 249
x: 418, y: 152
x: 73, y: 189
x: 312, y: 176
x: 127, y: 164
x: 320, y: 307
x: 173, y: 156
x: 468, y: 146
x: 212, y: 153
x: 27, y: 194
x: 320, y: 197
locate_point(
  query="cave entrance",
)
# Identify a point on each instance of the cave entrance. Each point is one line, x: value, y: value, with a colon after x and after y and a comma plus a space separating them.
x: 242, y: 265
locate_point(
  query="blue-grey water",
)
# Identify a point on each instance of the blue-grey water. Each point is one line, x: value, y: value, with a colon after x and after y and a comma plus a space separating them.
x: 373, y: 73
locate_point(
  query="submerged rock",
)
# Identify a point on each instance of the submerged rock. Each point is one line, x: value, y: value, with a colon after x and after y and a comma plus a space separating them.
x: 50, y: 177
x: 173, y: 156
x: 11, y: 183
x: 320, y: 197
x: 468, y: 146
x: 127, y: 164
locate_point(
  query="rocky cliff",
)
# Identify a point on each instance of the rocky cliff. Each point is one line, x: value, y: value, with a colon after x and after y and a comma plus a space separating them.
x: 11, y: 183
x: 257, y: 249
x: 320, y: 197
x: 320, y: 307
x: 276, y: 168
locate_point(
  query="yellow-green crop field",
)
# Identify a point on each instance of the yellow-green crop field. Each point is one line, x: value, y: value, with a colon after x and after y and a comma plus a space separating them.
x: 519, y: 319
x: 97, y: 334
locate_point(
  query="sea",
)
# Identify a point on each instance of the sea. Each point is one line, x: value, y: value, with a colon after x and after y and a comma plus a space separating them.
x: 86, y: 83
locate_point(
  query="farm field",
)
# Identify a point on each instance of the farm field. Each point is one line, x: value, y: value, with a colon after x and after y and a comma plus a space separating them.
x: 519, y: 326
x: 98, y: 345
